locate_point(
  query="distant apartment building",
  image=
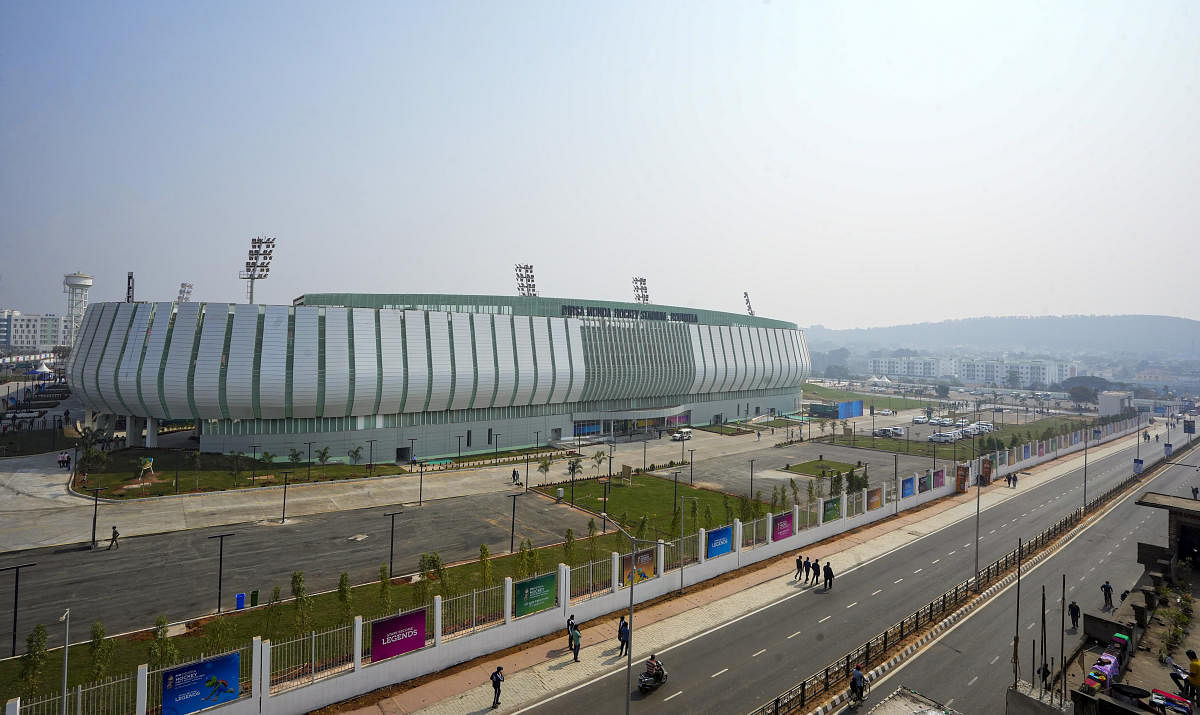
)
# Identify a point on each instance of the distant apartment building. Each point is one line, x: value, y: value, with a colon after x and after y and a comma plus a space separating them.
x: 978, y: 371
x: 19, y: 331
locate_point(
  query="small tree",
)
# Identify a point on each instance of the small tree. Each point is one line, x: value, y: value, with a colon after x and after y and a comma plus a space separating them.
x: 272, y: 614
x: 795, y: 491
x: 598, y: 458
x: 355, y: 454
x: 676, y: 521
x: 756, y: 505
x: 442, y: 573
x: 709, y: 521
x: 385, y: 589
x: 574, y: 467
x: 728, y: 508
x: 219, y: 635
x: 195, y: 456
x: 34, y: 660
x: 295, y: 457
x: 593, y: 551
x: 323, y: 458
x: 237, y: 458
x: 544, y: 467
x: 643, y: 524
x: 487, y: 574
x: 835, y: 484
x: 100, y: 649
x: 774, y: 499
x: 345, y: 606
x: 268, y: 459
x: 301, y: 602
x: 162, y: 650
x: 569, y: 548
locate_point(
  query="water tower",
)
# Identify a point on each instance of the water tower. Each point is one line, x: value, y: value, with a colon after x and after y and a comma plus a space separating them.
x: 76, y: 286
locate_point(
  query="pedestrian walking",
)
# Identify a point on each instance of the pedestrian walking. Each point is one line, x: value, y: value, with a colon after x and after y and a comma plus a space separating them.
x: 1107, y: 589
x: 1073, y: 611
x: 516, y: 477
x: 816, y: 570
x: 576, y: 639
x: 623, y: 636
x: 570, y: 625
x: 799, y: 567
x: 1196, y: 492
x: 807, y: 568
x: 828, y: 577
x: 112, y: 544
x: 497, y: 678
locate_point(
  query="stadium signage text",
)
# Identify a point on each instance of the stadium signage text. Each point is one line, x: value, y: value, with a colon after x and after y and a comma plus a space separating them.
x: 597, y: 311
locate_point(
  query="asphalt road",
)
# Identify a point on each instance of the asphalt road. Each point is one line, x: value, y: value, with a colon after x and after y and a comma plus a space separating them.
x: 970, y: 667
x: 176, y: 573
x: 740, y: 665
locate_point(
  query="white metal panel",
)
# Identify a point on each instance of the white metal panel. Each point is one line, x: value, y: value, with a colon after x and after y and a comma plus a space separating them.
x: 391, y: 351
x: 337, y: 362
x: 733, y: 362
x: 485, y: 360
x: 764, y: 358
x: 506, y: 372
x: 95, y: 352
x: 753, y: 368
x: 179, y: 360
x: 578, y: 361
x: 305, y: 344
x: 156, y: 342
x: 82, y: 348
x: 464, y: 360
x: 710, y: 369
x: 439, y: 352
x: 127, y: 384
x: 562, y: 360
x: 697, y: 358
x: 805, y: 358
x: 272, y: 372
x: 718, y: 355
x: 366, y: 368
x: 797, y: 358
x: 206, y: 382
x: 416, y: 352
x: 739, y: 357
x: 784, y: 357
x: 107, y: 373
x: 543, y: 360
x: 239, y: 368
x: 523, y: 339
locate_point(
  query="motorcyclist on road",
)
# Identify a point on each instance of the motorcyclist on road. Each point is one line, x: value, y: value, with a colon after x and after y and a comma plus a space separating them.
x: 654, y: 668
x: 856, y: 682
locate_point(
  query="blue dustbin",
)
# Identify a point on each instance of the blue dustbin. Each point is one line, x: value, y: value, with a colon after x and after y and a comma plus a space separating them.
x: 241, y: 601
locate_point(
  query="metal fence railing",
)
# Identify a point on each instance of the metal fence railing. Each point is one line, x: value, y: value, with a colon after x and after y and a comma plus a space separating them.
x: 472, y: 611
x: 754, y: 532
x: 681, y: 552
x: 590, y: 579
x: 112, y: 696
x: 245, y: 676
x: 48, y: 704
x: 302, y: 660
x: 835, y: 676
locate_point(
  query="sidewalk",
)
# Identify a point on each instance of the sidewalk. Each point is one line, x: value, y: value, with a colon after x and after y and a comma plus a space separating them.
x: 542, y: 668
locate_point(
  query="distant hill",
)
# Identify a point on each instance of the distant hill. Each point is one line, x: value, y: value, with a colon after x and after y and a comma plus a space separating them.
x: 1055, y: 335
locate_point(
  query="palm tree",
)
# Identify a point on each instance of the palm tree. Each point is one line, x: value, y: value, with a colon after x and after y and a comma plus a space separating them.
x: 598, y: 459
x: 355, y: 454
x: 574, y: 467
x: 323, y: 458
x: 267, y: 459
x: 544, y: 468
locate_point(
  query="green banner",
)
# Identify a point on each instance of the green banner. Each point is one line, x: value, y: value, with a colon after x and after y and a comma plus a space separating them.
x: 833, y: 509
x: 535, y: 594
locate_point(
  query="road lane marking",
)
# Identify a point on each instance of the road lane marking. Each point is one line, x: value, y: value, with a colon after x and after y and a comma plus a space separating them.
x: 918, y: 571
x: 972, y: 681
x: 994, y: 660
x: 877, y: 592
x: 671, y: 696
x: 793, y: 635
x: 992, y: 531
x: 852, y: 605
x: 764, y: 650
x: 935, y: 561
x: 722, y: 670
x: 949, y: 701
x: 897, y: 580
x: 826, y: 618
x: 1031, y: 625
x: 952, y: 552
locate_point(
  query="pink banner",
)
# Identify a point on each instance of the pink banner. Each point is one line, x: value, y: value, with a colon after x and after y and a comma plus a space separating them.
x: 397, y: 635
x: 781, y: 526
x: 939, y: 478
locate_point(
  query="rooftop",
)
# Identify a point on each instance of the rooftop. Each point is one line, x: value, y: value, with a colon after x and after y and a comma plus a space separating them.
x: 1170, y: 501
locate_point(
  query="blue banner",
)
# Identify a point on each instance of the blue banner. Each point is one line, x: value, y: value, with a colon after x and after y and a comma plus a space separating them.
x: 189, y: 688
x: 907, y: 487
x: 720, y: 542
x: 1167, y: 450
x: 1137, y: 466
x: 1095, y: 435
x: 1025, y: 451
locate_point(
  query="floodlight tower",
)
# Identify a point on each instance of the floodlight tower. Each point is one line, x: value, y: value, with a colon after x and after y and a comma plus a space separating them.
x: 185, y: 293
x: 258, y: 263
x: 640, y: 292
x: 76, y: 286
x: 749, y: 308
x: 526, y: 287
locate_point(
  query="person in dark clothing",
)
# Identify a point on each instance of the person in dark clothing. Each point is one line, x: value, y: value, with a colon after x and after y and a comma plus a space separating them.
x: 1073, y: 611
x: 623, y: 636
x: 576, y: 641
x: 570, y: 626
x: 799, y: 568
x: 807, y: 568
x: 113, y: 543
x: 1196, y: 492
x: 828, y: 577
x: 816, y: 570
x: 1107, y: 589
x: 497, y: 678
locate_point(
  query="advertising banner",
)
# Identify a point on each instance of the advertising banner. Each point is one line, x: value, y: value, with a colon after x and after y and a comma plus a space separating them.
x: 720, y: 542
x: 643, y: 566
x: 925, y: 483
x: 1003, y: 457
x: 906, y: 487
x: 961, y: 476
x: 538, y: 593
x: 874, y: 498
x: 397, y: 635
x: 985, y: 470
x: 939, y: 478
x: 833, y: 509
x: 781, y: 525
x: 1095, y: 435
x: 1137, y: 466
x: 1041, y: 449
x: 1167, y: 450
x: 189, y: 688
x: 1189, y: 426
x: 1025, y: 452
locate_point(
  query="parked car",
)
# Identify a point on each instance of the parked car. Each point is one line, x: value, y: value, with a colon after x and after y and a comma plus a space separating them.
x: 920, y: 420
x: 682, y: 434
x: 882, y: 432
x: 885, y: 412
x: 897, y: 432
x: 962, y: 422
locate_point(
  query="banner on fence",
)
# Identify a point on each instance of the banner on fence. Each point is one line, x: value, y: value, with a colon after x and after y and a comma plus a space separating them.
x: 985, y: 468
x: 1025, y: 452
x: 1003, y: 457
x: 832, y: 509
x: 925, y: 483
x: 1041, y: 449
x: 720, y: 542
x: 1095, y: 435
x: 1189, y: 426
x: 906, y: 487
x: 1137, y: 466
x: 874, y: 498
x: 536, y: 594
x: 781, y: 526
x: 210, y: 682
x: 939, y: 478
x: 1168, y: 449
x: 397, y: 635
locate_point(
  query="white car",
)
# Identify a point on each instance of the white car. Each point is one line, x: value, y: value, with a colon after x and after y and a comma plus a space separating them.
x: 920, y: 420
x: 962, y: 422
x: 885, y: 412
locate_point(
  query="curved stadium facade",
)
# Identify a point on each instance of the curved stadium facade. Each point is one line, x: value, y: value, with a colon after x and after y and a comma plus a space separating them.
x: 420, y: 374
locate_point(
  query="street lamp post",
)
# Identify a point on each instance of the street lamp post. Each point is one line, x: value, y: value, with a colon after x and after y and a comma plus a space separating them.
x: 632, y: 571
x: 675, y: 493
x: 752, y: 480
x: 16, y: 592
x: 412, y: 449
x: 610, y: 456
x: 253, y: 462
x: 497, y: 448
x: 309, y: 445
x: 512, y: 535
x: 283, y: 517
x: 421, y: 485
x: 392, y: 542
x: 691, y: 467
x: 66, y: 616
x: 643, y: 456
x: 370, y: 459
x: 459, y: 437
x: 220, y: 567
x: 1086, y: 433
x: 176, y: 451
x: 95, y: 512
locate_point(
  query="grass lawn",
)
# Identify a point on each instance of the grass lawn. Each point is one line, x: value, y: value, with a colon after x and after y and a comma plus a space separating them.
x: 881, y: 402
x: 725, y: 429
x: 813, y: 468
x: 962, y: 448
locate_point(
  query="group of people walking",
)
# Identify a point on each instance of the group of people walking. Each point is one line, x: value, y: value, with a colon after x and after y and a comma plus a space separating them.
x: 812, y: 571
x: 64, y: 460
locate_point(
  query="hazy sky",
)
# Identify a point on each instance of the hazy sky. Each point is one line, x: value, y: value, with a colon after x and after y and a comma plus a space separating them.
x: 849, y: 164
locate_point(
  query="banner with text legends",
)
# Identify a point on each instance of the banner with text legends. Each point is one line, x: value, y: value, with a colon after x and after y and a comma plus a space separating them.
x: 397, y: 635
x: 720, y: 542
x: 194, y: 687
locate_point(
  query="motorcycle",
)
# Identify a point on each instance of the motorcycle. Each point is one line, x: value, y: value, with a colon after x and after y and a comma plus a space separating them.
x: 647, y: 682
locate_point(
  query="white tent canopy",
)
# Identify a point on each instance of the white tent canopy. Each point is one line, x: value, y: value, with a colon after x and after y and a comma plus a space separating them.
x: 42, y: 368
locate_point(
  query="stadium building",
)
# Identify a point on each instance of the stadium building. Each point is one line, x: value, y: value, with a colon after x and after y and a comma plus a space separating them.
x: 426, y: 376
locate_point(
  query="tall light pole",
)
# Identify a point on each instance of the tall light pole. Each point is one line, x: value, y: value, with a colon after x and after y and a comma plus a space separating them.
x: 752, y: 480
x: 632, y: 578
x: 16, y: 593
x: 309, y: 445
x: 66, y: 616
x: 675, y: 493
x: 421, y: 485
x: 253, y: 462
x: 258, y: 263
x: 370, y: 458
x: 459, y: 436
x: 95, y: 512
x: 412, y: 449
x: 691, y: 467
x: 1086, y: 433
x: 643, y: 455
x: 512, y: 536
x: 220, y: 567
x: 283, y: 517
x: 392, y: 541
x: 978, y: 501
x: 497, y: 438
